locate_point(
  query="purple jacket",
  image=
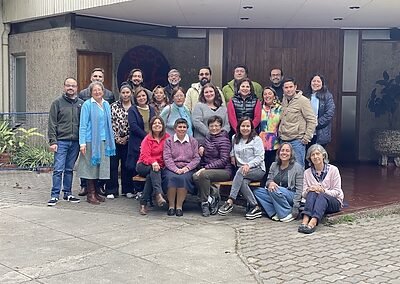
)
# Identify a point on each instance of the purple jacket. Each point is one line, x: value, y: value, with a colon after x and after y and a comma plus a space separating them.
x: 178, y: 155
x: 216, y: 152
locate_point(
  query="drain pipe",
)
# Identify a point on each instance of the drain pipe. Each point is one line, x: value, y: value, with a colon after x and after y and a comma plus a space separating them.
x: 5, y: 72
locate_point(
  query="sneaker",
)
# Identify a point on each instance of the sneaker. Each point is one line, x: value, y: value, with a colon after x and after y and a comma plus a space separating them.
x: 71, y: 198
x: 287, y: 219
x: 254, y: 213
x: 214, y: 205
x: 130, y: 195
x: 53, y: 201
x: 205, y: 208
x: 225, y: 209
x: 275, y: 218
x: 110, y: 196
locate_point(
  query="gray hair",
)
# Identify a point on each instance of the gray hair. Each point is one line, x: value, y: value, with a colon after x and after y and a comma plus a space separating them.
x: 319, y: 148
x: 93, y: 84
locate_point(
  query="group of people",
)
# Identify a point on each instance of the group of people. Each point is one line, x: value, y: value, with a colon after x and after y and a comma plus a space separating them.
x: 185, y: 141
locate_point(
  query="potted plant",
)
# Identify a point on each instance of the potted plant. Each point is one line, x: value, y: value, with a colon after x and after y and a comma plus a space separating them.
x: 384, y: 100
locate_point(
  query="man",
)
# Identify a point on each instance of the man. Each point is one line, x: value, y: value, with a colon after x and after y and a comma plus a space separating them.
x: 97, y: 75
x: 135, y: 79
x: 276, y: 78
x: 174, y: 78
x: 298, y: 120
x: 240, y: 72
x: 192, y: 95
x: 63, y: 132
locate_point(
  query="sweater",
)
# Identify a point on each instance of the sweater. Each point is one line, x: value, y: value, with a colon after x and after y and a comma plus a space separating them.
x: 200, y: 115
x: 298, y: 120
x: 237, y: 108
x: 63, y: 121
x: 178, y: 155
x: 295, y: 180
x: 229, y: 90
x: 251, y: 153
x: 332, y: 183
x: 152, y: 150
x: 216, y: 152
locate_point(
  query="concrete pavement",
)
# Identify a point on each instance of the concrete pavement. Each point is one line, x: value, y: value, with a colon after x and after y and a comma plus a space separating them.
x: 112, y: 243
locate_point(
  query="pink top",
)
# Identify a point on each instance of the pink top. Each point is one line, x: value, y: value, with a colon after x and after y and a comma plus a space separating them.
x: 332, y: 183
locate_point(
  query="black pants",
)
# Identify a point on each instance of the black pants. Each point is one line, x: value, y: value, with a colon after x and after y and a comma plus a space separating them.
x: 153, y: 184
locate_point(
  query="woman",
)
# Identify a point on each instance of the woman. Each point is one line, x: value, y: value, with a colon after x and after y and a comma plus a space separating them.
x: 96, y: 140
x: 324, y: 108
x: 210, y: 104
x: 139, y: 116
x: 177, y: 110
x: 159, y: 99
x: 282, y: 193
x: 215, y: 165
x: 322, y: 189
x: 181, y: 157
x: 247, y: 155
x: 151, y: 163
x: 119, y: 117
x: 270, y: 118
x: 244, y: 103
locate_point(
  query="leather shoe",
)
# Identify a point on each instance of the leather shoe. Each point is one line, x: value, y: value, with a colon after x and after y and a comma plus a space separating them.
x: 83, y: 191
x: 160, y: 200
x: 143, y: 210
x: 171, y: 212
x: 179, y: 212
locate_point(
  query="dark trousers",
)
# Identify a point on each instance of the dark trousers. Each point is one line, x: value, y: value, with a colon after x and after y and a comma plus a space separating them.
x: 206, y: 177
x: 112, y: 184
x: 317, y: 205
x: 153, y: 183
x: 269, y: 158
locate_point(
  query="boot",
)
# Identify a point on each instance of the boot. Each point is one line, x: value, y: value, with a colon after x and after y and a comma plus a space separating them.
x: 91, y: 196
x: 143, y: 210
x: 99, y: 197
x: 83, y: 191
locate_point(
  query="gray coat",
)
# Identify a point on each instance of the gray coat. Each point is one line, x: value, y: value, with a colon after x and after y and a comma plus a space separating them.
x: 295, y: 180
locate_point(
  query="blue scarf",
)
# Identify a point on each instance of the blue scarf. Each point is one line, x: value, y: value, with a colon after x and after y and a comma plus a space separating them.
x: 96, y: 139
x: 184, y: 113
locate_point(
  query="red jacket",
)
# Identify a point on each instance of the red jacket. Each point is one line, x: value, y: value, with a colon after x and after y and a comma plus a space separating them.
x: 152, y: 151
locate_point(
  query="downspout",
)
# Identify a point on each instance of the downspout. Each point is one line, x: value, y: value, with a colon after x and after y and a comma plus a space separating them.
x: 1, y: 58
x: 6, y: 68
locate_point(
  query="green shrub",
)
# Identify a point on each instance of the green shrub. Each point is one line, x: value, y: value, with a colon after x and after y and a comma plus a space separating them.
x: 32, y: 157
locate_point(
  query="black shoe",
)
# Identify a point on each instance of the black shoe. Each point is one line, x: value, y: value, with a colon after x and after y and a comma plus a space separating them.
x: 53, y: 201
x: 71, y: 198
x: 171, y: 212
x: 254, y: 213
x: 179, y: 212
x: 205, y: 209
x: 225, y: 209
x: 214, y: 205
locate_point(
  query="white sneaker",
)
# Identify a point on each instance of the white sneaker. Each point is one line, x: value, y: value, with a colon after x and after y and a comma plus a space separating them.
x: 110, y: 196
x: 130, y: 195
x: 287, y: 219
x: 275, y: 218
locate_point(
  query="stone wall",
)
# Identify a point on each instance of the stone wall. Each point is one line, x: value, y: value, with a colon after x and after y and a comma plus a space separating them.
x: 377, y: 56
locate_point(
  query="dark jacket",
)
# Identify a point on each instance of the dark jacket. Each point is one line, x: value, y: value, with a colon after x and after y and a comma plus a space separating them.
x: 64, y: 119
x: 148, y: 92
x: 326, y: 110
x: 239, y: 107
x: 278, y: 90
x: 216, y: 152
x: 168, y: 91
x: 136, y: 134
x: 108, y: 95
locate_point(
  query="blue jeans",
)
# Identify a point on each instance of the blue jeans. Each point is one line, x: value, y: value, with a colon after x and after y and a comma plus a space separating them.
x: 64, y: 161
x: 277, y: 202
x: 299, y: 151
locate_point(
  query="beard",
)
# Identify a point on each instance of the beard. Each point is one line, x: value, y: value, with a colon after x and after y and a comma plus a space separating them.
x: 204, y: 81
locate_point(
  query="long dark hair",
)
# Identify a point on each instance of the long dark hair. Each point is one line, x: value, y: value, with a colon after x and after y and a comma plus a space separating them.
x: 321, y: 94
x: 152, y: 120
x: 239, y: 136
x: 217, y: 98
x: 292, y: 158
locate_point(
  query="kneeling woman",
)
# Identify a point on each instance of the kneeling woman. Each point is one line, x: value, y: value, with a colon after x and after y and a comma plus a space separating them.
x: 215, y: 164
x: 181, y: 157
x: 322, y: 189
x: 151, y: 163
x: 248, y: 155
x: 282, y: 193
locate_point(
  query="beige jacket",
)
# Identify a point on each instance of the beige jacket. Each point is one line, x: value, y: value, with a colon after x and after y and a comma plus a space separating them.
x: 298, y: 120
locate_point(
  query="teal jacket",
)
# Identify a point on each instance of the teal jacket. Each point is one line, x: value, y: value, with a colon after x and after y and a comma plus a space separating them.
x: 229, y: 90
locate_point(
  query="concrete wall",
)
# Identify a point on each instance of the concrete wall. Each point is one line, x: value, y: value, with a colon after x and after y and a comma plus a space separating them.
x: 377, y: 56
x: 51, y: 55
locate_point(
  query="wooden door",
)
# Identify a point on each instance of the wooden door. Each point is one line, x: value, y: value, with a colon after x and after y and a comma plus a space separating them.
x: 87, y: 61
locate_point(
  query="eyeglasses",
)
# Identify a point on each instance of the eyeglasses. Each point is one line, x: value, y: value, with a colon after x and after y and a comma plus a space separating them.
x: 70, y: 86
x: 204, y: 74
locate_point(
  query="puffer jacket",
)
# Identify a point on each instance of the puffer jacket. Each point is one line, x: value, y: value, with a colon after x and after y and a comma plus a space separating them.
x: 216, y: 152
x: 239, y: 107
